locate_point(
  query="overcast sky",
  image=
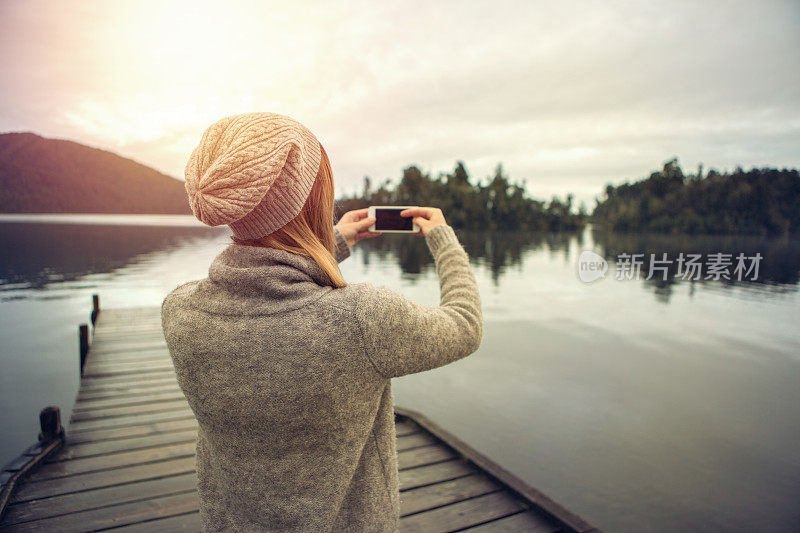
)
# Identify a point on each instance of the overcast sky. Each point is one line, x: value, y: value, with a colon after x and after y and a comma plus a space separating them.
x: 567, y: 95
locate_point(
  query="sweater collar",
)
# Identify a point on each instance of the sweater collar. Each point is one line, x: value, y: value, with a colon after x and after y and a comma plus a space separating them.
x: 265, y: 280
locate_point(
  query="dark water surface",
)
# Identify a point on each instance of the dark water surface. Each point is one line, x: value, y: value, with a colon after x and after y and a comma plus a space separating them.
x: 641, y: 405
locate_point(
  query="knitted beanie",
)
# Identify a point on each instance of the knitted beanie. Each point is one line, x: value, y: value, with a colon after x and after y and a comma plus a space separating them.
x: 252, y: 172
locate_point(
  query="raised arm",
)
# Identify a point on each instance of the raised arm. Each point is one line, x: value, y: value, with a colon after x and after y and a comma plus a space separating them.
x: 342, y: 249
x: 402, y: 337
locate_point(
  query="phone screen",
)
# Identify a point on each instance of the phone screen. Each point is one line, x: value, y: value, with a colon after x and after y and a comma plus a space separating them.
x: 390, y: 220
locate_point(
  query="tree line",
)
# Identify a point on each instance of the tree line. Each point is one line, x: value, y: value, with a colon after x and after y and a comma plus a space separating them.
x: 499, y: 204
x: 763, y: 201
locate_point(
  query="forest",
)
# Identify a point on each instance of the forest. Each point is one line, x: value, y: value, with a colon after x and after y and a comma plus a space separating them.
x: 499, y: 204
x: 763, y: 201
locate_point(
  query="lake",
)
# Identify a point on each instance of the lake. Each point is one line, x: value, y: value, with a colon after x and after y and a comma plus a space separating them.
x: 667, y: 404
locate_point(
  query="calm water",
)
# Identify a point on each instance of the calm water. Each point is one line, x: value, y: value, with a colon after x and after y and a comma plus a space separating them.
x: 641, y: 405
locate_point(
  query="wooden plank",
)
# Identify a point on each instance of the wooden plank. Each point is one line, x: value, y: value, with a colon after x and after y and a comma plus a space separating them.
x: 129, y: 388
x: 462, y: 514
x: 122, y: 392
x: 445, y: 492
x: 117, y: 412
x: 142, y: 358
x: 425, y: 475
x: 120, y: 347
x: 525, y: 522
x: 92, y: 383
x: 141, y: 399
x: 115, y: 515
x: 118, y: 460
x: 405, y: 428
x: 132, y: 420
x: 138, y: 344
x: 423, y: 456
x: 173, y: 524
x: 414, y: 440
x: 32, y: 490
x: 136, y: 373
x: 93, y: 499
x: 106, y: 362
x: 89, y: 449
x: 537, y: 499
x: 94, y: 435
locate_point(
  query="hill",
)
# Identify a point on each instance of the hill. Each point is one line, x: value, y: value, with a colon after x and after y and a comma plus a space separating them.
x: 39, y: 175
x: 763, y: 201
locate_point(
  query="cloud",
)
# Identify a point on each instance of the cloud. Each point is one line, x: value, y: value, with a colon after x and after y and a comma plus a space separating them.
x: 567, y: 95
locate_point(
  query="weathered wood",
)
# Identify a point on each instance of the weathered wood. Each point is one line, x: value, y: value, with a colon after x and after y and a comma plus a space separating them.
x: 414, y: 440
x: 98, y: 435
x: 173, y: 524
x: 462, y: 514
x: 50, y: 424
x: 555, y: 511
x: 83, y: 344
x: 122, y: 391
x: 117, y: 515
x: 142, y: 372
x: 118, y: 460
x: 106, y: 478
x: 524, y: 522
x: 95, y: 382
x: 95, y: 307
x: 404, y: 428
x: 51, y: 438
x: 435, y: 473
x: 118, y: 387
x: 105, y: 447
x: 92, y: 499
x: 117, y: 412
x: 178, y: 413
x: 444, y: 493
x: 129, y: 461
x: 139, y: 399
x: 423, y: 456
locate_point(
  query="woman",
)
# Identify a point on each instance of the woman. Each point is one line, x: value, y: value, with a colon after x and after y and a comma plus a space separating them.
x: 286, y: 366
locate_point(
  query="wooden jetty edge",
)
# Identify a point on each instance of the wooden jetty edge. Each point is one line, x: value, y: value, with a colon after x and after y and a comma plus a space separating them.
x: 127, y: 461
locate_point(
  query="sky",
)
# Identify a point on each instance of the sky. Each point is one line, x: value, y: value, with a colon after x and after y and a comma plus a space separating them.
x: 568, y: 95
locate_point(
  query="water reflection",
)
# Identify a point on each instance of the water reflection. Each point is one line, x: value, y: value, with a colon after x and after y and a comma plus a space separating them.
x: 35, y: 255
x: 779, y: 270
x: 497, y: 250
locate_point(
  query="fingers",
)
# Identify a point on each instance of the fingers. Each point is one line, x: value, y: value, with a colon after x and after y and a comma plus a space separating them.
x: 355, y: 215
x: 425, y: 212
x: 366, y: 223
x: 366, y: 235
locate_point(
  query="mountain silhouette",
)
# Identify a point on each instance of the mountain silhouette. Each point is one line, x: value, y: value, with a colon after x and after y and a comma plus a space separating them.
x: 39, y: 175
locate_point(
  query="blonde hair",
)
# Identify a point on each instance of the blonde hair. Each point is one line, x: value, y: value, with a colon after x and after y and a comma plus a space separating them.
x: 310, y: 233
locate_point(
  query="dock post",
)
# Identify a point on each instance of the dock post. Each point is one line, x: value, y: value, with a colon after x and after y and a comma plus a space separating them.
x: 83, y: 339
x: 95, y: 307
x: 51, y: 439
x: 50, y: 424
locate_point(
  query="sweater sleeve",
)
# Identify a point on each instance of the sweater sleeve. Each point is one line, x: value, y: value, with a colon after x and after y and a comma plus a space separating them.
x: 342, y: 249
x: 402, y: 337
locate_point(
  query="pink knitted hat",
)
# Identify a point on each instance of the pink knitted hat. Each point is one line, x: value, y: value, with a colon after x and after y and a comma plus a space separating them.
x: 252, y: 172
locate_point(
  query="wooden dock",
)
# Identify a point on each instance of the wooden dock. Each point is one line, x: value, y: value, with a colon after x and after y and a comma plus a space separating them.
x: 128, y: 460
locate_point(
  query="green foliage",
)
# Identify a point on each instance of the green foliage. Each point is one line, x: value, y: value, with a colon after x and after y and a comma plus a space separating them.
x: 499, y: 205
x: 760, y: 201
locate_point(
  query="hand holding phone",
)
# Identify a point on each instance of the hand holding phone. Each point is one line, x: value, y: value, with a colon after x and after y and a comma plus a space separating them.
x: 388, y: 219
x: 426, y: 218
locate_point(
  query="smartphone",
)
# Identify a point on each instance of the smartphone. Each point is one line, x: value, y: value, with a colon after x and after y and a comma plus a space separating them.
x: 388, y: 219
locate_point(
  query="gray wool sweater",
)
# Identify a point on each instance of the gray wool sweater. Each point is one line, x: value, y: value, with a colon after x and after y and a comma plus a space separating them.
x: 290, y: 381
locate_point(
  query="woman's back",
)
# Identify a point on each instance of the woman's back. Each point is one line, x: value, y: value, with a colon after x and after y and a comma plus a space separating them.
x: 287, y: 367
